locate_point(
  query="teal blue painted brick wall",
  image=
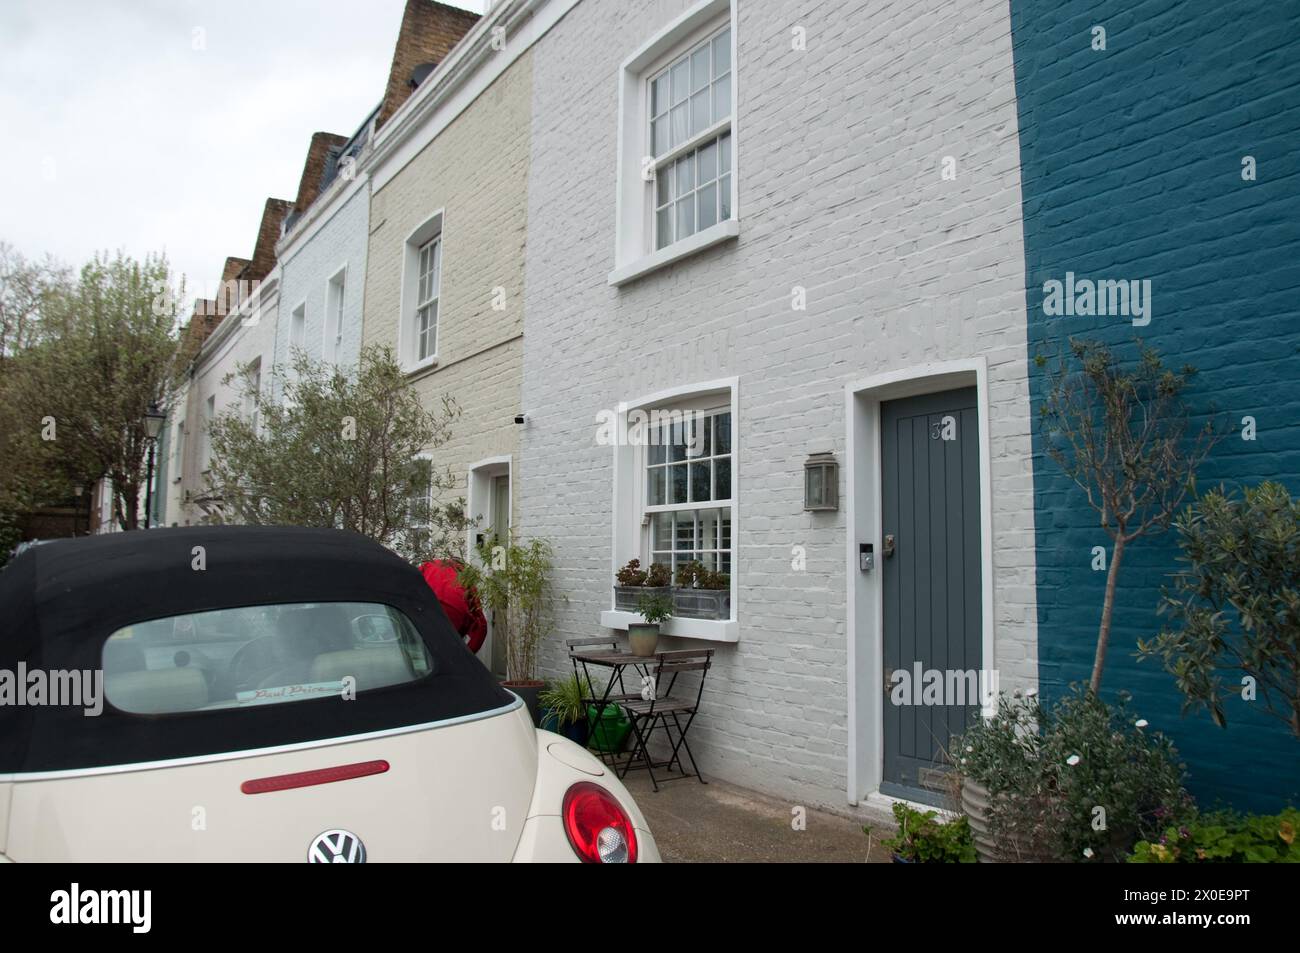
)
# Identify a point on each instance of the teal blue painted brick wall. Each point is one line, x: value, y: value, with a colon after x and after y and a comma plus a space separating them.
x: 1131, y: 165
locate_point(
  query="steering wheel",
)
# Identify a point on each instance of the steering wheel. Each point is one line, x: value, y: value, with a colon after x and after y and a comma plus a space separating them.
x: 253, y: 661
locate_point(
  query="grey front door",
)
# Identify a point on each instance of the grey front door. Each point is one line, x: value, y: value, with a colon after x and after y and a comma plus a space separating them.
x: 930, y: 490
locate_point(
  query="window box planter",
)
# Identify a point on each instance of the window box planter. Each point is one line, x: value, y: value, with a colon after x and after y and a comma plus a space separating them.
x: 626, y: 597
x: 701, y: 603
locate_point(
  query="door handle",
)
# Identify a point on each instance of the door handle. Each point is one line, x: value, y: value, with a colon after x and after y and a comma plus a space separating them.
x: 889, y: 545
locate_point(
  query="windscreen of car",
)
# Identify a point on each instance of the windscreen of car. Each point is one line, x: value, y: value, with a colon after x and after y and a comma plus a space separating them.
x: 260, y: 655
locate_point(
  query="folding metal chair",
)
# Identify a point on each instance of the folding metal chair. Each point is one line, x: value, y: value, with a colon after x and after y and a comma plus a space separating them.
x: 662, y: 709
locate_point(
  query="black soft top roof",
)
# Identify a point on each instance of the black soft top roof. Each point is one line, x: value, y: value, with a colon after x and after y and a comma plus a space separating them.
x: 59, y: 603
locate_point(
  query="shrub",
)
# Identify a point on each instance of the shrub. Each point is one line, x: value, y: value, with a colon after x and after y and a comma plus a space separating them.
x: 1243, y: 574
x: 1083, y: 780
x: 1226, y: 837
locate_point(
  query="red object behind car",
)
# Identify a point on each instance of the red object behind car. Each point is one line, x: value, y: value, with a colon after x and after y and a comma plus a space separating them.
x: 462, y: 607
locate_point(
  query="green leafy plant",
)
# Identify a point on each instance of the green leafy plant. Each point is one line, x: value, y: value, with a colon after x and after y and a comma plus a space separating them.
x: 655, y: 609
x: 1121, y: 433
x: 924, y: 839
x: 1082, y: 779
x: 513, y: 580
x: 564, y: 699
x: 1236, y: 608
x: 1226, y: 837
x: 695, y: 575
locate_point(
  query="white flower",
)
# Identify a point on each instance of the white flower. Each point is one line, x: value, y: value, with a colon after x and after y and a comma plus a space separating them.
x: 1032, y: 693
x: 970, y: 748
x: 1140, y: 723
x: 1072, y: 760
x: 1087, y: 852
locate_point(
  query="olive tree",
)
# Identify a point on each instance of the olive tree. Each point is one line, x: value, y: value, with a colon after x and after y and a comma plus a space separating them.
x: 1236, y: 607
x: 84, y: 367
x: 337, y: 447
x: 1123, y: 434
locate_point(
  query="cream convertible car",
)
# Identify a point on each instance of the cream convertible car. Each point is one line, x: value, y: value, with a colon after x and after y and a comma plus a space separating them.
x: 271, y: 694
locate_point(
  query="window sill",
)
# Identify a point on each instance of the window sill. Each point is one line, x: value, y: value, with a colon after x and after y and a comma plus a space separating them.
x: 712, y: 630
x: 419, y: 367
x: 713, y: 235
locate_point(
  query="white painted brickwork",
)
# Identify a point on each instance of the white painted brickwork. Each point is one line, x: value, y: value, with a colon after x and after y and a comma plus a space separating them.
x: 839, y: 152
x: 341, y: 240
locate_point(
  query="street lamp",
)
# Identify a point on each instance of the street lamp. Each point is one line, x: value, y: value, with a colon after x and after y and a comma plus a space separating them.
x: 153, y: 421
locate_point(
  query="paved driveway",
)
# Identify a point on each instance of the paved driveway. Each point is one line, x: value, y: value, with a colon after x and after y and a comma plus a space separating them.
x: 719, y: 822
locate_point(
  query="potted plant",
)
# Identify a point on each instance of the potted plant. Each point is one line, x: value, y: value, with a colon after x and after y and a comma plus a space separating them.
x: 644, y: 636
x: 702, y: 593
x: 564, y: 712
x: 924, y: 839
x: 513, y: 581
x: 632, y: 582
x: 1032, y: 778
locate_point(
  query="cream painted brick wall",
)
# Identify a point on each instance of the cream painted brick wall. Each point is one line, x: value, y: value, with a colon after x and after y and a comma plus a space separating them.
x: 476, y: 170
x: 839, y: 153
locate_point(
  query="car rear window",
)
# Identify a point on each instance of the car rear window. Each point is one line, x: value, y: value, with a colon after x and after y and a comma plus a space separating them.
x: 260, y: 655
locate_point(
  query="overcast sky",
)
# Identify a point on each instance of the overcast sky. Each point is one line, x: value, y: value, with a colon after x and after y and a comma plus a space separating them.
x: 164, y: 125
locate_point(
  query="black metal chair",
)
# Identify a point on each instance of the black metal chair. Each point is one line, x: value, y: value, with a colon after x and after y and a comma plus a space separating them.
x: 657, y: 707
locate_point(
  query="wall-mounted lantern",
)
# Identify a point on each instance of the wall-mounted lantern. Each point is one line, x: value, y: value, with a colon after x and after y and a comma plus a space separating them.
x: 821, y: 485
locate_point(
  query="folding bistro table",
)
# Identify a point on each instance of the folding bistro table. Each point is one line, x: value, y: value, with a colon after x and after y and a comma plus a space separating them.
x: 651, y: 705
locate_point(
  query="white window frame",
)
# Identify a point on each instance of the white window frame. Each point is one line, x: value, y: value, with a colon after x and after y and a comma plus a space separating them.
x: 634, y: 246
x: 297, y: 329
x: 432, y: 228
x: 428, y: 493
x: 336, y: 289
x: 209, y: 415
x: 631, y: 529
x: 253, y: 381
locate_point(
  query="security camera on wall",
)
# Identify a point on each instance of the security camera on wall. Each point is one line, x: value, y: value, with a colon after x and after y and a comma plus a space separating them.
x: 521, y: 419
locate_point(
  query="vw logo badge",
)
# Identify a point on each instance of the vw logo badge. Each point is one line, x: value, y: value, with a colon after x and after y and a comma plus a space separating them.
x: 337, y: 847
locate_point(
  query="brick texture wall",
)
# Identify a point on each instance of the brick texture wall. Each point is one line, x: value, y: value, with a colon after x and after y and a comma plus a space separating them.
x: 313, y: 167
x: 1132, y: 166
x: 477, y: 172
x: 839, y: 157
x: 429, y: 31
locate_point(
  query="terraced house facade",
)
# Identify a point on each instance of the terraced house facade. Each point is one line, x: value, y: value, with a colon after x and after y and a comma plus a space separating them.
x: 763, y: 287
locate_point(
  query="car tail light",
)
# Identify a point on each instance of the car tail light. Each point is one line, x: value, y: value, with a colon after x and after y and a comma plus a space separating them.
x: 600, y: 832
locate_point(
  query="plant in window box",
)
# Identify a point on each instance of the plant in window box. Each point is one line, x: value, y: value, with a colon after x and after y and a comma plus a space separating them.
x: 643, y: 637
x: 632, y: 582
x: 702, y: 593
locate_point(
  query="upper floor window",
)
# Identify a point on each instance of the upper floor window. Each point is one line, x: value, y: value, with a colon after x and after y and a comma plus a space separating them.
x: 334, y: 297
x: 689, y: 102
x: 298, y: 328
x: 421, y: 306
x: 677, y: 184
x: 426, y: 301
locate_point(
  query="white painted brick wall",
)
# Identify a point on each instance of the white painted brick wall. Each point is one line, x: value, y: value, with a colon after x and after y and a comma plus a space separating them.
x: 340, y: 241
x: 839, y: 158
